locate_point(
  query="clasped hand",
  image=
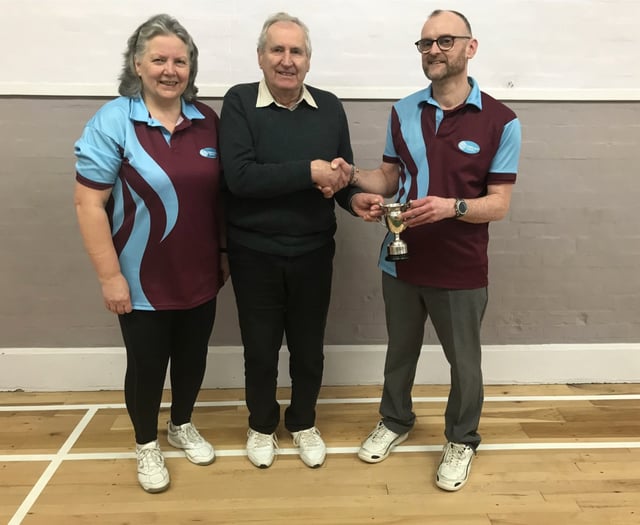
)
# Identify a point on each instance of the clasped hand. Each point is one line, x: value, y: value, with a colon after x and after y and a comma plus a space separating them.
x: 330, y: 177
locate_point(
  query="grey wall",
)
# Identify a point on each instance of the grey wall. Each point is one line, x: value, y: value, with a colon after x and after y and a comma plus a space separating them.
x: 563, y: 264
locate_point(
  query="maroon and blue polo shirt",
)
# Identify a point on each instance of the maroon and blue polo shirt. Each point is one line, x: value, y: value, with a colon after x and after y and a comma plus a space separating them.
x: 455, y: 153
x: 163, y: 204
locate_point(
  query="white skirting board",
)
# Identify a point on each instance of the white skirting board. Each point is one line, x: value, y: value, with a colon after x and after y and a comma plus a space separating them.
x: 77, y: 369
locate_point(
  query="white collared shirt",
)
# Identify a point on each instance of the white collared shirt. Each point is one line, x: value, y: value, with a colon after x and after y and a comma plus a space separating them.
x: 265, y: 98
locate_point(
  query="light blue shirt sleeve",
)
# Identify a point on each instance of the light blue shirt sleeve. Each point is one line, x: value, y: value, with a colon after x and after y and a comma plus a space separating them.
x: 508, y: 154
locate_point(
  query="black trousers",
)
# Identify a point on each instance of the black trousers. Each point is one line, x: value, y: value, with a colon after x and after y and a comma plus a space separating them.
x: 152, y: 339
x: 278, y: 296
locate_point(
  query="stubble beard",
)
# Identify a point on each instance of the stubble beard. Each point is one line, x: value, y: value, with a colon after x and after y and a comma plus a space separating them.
x: 447, y: 69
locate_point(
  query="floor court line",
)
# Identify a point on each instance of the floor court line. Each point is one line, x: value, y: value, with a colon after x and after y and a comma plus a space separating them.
x: 51, y: 469
x: 326, y: 401
x: 97, y: 456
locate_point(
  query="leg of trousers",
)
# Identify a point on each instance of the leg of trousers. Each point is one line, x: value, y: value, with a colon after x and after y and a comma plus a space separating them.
x: 188, y: 360
x: 406, y: 315
x: 152, y: 338
x: 278, y: 295
x: 456, y: 316
x: 309, y: 287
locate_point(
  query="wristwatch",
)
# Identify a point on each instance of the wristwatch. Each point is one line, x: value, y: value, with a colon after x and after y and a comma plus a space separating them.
x: 461, y: 207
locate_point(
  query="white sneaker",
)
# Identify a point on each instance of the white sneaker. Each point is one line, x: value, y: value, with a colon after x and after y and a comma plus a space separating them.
x: 196, y: 448
x: 153, y: 476
x: 379, y: 444
x: 312, y: 449
x: 261, y: 448
x: 455, y: 466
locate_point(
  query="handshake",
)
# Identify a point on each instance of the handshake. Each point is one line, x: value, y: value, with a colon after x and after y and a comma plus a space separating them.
x: 331, y: 177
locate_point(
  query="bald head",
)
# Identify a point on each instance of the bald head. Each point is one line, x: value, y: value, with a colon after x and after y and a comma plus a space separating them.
x: 456, y: 14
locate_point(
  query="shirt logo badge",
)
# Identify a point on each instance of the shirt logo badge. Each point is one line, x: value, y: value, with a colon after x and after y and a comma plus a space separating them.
x: 209, y: 153
x: 468, y: 146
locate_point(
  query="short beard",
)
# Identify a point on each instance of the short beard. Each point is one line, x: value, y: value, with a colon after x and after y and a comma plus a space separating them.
x: 452, y: 68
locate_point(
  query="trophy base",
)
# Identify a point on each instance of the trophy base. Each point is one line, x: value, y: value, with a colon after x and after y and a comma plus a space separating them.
x: 397, y: 251
x: 397, y: 257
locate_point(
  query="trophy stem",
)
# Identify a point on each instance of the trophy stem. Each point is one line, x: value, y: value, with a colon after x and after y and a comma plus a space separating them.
x: 397, y: 250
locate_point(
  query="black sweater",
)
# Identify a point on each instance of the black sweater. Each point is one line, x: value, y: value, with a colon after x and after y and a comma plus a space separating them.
x: 266, y: 154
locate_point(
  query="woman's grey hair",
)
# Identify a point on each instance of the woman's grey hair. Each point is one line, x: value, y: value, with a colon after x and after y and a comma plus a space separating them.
x: 283, y: 17
x: 130, y: 83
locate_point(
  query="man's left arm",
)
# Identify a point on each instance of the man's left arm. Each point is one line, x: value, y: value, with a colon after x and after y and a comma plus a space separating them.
x: 502, y: 174
x: 490, y: 207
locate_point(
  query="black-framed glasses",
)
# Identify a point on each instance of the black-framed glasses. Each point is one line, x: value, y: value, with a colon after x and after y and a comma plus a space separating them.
x: 445, y: 43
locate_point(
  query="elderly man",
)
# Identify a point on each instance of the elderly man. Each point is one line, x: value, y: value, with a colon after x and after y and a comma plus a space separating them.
x: 278, y: 138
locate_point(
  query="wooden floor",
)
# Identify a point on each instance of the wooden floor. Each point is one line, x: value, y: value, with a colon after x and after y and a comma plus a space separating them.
x: 558, y: 454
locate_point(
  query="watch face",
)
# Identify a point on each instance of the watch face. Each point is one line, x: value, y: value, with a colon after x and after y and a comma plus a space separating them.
x: 462, y: 206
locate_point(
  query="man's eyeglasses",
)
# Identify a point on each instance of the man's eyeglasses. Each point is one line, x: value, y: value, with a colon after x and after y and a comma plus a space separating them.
x: 445, y: 43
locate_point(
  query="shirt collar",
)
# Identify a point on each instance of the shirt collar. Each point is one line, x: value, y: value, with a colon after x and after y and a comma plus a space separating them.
x: 475, y: 96
x: 265, y: 98
x: 140, y: 113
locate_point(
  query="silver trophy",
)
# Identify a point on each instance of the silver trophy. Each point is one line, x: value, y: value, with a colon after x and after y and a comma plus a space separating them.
x: 397, y: 250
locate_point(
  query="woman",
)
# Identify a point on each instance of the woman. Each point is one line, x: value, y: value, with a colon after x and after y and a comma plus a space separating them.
x: 146, y: 198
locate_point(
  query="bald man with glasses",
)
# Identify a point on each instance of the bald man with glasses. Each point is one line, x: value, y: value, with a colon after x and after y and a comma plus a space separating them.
x: 452, y: 155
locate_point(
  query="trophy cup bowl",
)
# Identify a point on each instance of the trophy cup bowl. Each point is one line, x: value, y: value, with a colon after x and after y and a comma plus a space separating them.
x: 397, y: 249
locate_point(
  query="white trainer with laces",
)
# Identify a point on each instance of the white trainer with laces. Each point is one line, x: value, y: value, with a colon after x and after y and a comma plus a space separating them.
x: 311, y: 447
x: 153, y: 475
x: 187, y: 438
x: 380, y: 443
x: 261, y: 448
x: 455, y: 466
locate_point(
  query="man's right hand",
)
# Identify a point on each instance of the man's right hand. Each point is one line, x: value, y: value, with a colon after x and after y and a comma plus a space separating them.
x: 367, y: 206
x: 328, y: 177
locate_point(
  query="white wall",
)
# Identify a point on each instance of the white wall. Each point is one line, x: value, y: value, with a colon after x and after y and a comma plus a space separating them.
x: 54, y: 369
x: 529, y: 49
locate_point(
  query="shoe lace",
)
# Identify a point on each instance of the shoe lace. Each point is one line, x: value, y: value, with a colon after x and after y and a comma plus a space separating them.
x: 456, y: 455
x: 150, y: 458
x: 191, y: 433
x: 380, y: 433
x: 260, y: 440
x: 309, y: 438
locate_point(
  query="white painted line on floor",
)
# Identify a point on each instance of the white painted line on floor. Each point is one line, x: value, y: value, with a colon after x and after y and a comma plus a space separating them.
x: 7, y: 458
x: 600, y: 397
x: 560, y: 446
x: 98, y: 456
x: 46, y: 476
x: 46, y: 408
x: 336, y: 401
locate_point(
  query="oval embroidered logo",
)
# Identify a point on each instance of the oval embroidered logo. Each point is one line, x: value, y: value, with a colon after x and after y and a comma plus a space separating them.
x: 210, y: 153
x: 469, y: 147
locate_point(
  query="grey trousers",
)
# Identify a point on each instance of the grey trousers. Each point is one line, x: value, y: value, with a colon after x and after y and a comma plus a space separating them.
x: 456, y: 316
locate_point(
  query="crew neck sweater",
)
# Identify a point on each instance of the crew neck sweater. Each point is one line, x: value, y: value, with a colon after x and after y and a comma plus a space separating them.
x: 266, y: 153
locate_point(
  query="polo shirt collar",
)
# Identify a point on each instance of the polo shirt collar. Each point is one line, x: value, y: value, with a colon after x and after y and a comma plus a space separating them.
x: 140, y: 113
x: 265, y: 98
x: 474, y: 98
